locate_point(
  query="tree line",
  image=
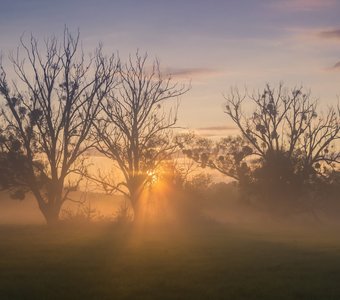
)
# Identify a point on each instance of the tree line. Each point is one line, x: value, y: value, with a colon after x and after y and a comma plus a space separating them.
x: 287, y: 154
x: 57, y: 104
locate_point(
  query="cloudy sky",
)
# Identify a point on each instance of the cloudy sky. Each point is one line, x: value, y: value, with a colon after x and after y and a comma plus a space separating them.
x: 216, y: 44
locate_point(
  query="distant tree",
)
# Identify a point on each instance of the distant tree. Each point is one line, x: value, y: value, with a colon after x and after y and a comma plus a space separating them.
x: 287, y: 122
x: 286, y: 144
x: 134, y: 128
x: 227, y: 155
x: 13, y: 167
x: 295, y: 145
x: 48, y: 110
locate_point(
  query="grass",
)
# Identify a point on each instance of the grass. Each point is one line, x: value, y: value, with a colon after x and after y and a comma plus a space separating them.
x: 204, y: 261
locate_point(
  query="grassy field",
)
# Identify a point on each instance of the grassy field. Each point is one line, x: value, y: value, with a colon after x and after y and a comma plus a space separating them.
x: 205, y: 261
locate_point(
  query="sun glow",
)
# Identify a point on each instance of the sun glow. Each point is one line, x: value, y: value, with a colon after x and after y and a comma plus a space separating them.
x: 153, y: 177
x: 155, y: 199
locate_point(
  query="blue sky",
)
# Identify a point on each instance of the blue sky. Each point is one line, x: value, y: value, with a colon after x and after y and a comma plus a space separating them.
x: 216, y: 44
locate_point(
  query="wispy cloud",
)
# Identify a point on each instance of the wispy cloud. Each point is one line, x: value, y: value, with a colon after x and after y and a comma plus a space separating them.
x: 303, y: 5
x: 217, y: 128
x: 193, y: 72
x: 336, y: 66
x: 332, y: 68
x: 330, y: 34
x: 314, y: 35
x: 216, y: 131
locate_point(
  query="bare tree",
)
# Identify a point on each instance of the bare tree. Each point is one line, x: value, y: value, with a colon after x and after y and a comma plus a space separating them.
x: 49, y: 108
x: 287, y: 122
x: 296, y: 146
x: 287, y: 150
x: 227, y: 155
x: 135, y: 128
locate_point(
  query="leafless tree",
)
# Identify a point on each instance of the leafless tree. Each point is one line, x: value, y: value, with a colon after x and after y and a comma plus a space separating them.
x: 286, y: 145
x: 287, y: 122
x: 227, y: 155
x: 49, y: 107
x: 134, y: 128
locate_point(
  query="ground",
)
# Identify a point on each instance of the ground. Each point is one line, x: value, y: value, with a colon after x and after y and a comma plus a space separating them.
x: 202, y: 261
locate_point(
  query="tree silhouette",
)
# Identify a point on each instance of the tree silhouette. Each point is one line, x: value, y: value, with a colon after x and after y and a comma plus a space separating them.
x: 227, y: 155
x: 288, y: 122
x: 13, y: 166
x: 286, y: 145
x: 48, y: 110
x: 134, y: 128
x: 294, y: 145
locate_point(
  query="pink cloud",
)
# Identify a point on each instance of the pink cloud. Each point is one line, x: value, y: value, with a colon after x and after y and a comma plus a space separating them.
x: 304, y: 5
x: 330, y: 34
x: 193, y: 72
x: 336, y: 66
x: 216, y: 131
x: 217, y: 128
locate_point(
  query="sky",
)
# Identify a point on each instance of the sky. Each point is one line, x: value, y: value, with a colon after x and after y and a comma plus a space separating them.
x: 213, y: 44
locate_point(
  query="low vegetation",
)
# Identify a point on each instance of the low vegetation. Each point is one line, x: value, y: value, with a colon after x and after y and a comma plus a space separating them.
x: 169, y: 262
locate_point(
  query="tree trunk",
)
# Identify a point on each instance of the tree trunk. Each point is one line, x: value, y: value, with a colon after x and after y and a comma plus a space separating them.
x: 135, y: 198
x: 52, y: 218
x: 134, y: 203
x: 51, y: 212
x: 135, y: 187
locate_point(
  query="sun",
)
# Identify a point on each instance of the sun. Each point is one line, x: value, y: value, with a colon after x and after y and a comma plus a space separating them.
x: 153, y: 177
